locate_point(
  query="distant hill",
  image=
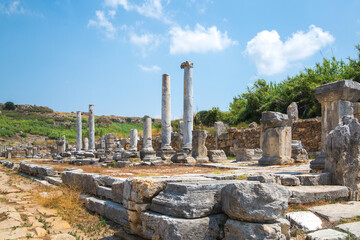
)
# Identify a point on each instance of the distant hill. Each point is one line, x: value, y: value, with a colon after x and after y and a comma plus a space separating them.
x: 32, y: 120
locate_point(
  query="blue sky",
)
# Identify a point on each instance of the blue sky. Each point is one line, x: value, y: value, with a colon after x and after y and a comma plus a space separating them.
x: 112, y: 53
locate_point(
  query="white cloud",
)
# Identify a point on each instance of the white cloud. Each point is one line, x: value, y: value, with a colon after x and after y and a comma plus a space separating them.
x: 199, y: 40
x: 149, y: 8
x: 272, y: 56
x: 145, y: 40
x: 103, y: 23
x: 14, y: 7
x: 153, y: 68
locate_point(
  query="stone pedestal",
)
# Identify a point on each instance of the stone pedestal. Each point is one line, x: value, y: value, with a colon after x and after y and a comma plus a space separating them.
x: 336, y: 102
x: 219, y: 129
x: 199, y: 150
x: 147, y: 152
x: 247, y: 154
x: 217, y: 155
x: 188, y: 104
x: 91, y: 128
x: 78, y: 131
x: 276, y: 139
x: 61, y: 145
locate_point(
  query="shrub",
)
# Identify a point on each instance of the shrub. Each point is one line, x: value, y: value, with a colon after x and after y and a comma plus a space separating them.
x: 9, y: 106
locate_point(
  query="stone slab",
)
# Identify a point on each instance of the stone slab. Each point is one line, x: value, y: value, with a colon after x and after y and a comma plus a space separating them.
x: 336, y: 212
x: 305, y: 220
x: 327, y: 234
x: 352, y: 228
x: 190, y: 199
x: 157, y: 226
x: 310, y: 194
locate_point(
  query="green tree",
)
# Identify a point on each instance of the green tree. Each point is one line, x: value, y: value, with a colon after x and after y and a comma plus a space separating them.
x: 9, y: 106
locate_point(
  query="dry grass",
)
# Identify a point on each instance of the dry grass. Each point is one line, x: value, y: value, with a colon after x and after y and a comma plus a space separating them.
x: 70, y: 207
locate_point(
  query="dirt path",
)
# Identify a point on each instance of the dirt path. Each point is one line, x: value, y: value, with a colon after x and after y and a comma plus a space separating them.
x: 29, y: 210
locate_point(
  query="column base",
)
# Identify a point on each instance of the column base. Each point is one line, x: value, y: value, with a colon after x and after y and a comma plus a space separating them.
x: 203, y: 159
x: 166, y: 154
x: 267, y: 161
x: 183, y: 157
x: 319, y: 163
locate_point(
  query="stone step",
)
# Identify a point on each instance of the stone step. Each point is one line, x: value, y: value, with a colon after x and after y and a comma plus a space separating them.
x: 311, y: 194
x: 338, y: 211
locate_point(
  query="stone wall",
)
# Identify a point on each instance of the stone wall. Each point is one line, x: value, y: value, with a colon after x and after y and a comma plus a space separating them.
x: 309, y: 132
x: 306, y: 130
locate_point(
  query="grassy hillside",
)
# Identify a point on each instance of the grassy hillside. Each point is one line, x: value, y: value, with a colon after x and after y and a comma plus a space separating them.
x: 21, y: 123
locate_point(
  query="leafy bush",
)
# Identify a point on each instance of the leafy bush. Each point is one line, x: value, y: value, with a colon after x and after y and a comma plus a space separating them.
x: 9, y: 106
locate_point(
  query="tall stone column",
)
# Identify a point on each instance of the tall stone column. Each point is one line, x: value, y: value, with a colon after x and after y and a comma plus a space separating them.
x: 188, y: 104
x: 166, y: 113
x: 336, y: 102
x: 133, y: 140
x: 78, y: 131
x: 147, y: 152
x: 91, y: 127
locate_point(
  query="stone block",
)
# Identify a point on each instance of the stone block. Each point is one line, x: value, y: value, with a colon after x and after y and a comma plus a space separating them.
x: 142, y: 190
x: 338, y: 211
x: 263, y: 178
x: 327, y: 234
x: 95, y: 205
x: 117, y: 190
x: 289, y: 180
x: 352, y: 228
x: 235, y: 230
x: 314, y: 179
x: 254, y: 202
x: 86, y: 182
x: 310, y: 194
x: 217, y: 155
x: 129, y: 220
x: 190, y: 199
x: 104, y: 192
x: 157, y: 226
x: 305, y: 220
x: 345, y: 90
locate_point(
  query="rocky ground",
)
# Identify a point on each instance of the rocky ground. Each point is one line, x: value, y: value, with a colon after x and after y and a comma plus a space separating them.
x: 29, y: 210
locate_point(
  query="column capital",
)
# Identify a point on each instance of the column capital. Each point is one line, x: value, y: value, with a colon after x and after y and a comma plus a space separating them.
x: 187, y: 64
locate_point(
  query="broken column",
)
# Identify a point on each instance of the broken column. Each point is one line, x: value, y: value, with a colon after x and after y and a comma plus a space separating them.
x: 293, y: 113
x: 343, y: 155
x: 166, y: 151
x: 61, y: 145
x: 276, y: 139
x: 298, y: 153
x: 188, y: 104
x: 78, y: 131
x: 199, y: 150
x: 147, y: 152
x: 336, y: 102
x: 133, y: 140
x: 91, y: 127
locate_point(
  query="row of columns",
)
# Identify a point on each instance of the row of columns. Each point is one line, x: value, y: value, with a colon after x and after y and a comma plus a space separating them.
x: 79, y: 143
x: 165, y: 117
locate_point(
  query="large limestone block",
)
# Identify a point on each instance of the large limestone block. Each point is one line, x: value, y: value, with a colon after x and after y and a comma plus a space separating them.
x: 237, y: 230
x: 271, y: 119
x: 129, y: 220
x: 142, y: 190
x: 254, y: 202
x: 190, y: 200
x: 157, y: 226
x: 345, y: 90
x: 310, y: 194
x: 86, y: 182
x: 343, y: 154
